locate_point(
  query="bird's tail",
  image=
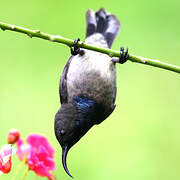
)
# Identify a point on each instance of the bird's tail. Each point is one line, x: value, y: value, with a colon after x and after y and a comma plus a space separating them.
x: 104, y: 23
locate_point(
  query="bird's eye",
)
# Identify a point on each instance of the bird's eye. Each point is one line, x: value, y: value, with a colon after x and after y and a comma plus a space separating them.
x: 77, y: 123
x: 62, y: 132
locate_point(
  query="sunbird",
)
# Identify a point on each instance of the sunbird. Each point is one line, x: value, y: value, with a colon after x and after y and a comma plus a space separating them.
x: 88, y: 82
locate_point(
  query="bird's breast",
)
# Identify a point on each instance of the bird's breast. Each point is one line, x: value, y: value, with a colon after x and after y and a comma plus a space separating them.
x: 93, y: 74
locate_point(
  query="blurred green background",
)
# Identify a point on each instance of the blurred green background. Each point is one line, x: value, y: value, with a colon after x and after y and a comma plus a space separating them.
x: 141, y: 139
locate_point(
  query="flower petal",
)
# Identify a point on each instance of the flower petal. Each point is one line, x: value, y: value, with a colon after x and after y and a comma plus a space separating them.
x: 37, y: 140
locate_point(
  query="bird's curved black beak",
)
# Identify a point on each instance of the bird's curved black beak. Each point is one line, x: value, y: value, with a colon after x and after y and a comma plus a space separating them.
x: 65, y: 150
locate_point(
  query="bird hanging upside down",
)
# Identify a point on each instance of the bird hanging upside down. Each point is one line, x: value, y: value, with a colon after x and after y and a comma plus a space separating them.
x: 88, y: 82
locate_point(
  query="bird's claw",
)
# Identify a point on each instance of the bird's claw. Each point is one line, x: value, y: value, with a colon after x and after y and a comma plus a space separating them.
x: 75, y: 49
x: 123, y: 55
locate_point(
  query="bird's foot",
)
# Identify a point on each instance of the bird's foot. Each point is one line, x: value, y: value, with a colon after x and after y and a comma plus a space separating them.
x: 75, y: 49
x: 123, y: 56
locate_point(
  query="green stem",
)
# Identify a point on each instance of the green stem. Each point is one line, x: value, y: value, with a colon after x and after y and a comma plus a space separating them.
x: 25, y: 173
x: 19, y: 168
x: 69, y: 42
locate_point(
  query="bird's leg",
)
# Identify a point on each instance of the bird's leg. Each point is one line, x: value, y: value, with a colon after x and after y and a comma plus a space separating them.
x: 123, y: 56
x: 75, y: 49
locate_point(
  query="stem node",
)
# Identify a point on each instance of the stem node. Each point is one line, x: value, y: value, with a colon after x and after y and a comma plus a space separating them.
x: 13, y: 27
x: 37, y: 31
x: 51, y: 38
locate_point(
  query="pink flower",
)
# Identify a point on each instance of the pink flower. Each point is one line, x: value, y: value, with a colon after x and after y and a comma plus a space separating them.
x: 5, y: 158
x: 38, y: 153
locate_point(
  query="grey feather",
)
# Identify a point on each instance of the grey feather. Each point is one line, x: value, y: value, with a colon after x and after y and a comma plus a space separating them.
x: 104, y: 23
x: 63, y: 83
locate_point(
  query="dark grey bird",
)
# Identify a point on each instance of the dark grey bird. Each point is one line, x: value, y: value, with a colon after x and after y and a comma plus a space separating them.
x: 88, y: 83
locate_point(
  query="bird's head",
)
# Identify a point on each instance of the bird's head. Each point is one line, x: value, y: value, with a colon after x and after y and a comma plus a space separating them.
x: 72, y: 121
x: 66, y: 130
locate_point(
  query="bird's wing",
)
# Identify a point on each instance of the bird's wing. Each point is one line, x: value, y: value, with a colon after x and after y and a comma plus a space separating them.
x: 63, y: 83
